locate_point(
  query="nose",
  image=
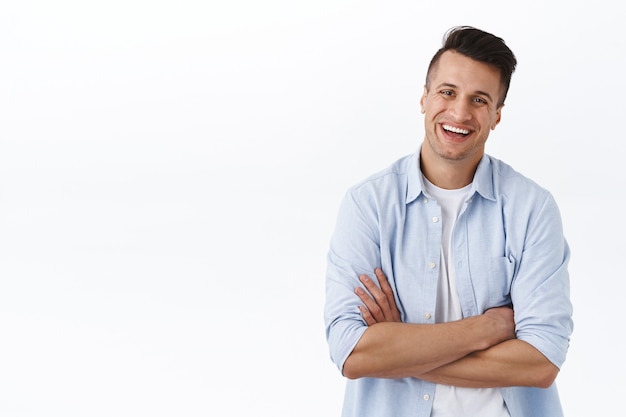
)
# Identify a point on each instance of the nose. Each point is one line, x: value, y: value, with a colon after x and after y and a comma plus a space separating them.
x: 460, y: 110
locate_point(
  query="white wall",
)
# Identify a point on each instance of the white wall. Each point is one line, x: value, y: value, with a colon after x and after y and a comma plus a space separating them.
x: 170, y: 173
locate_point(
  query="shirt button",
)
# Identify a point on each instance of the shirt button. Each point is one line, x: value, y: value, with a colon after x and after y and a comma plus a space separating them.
x: 426, y: 397
x: 431, y: 265
x: 425, y: 200
x: 435, y: 219
x: 427, y: 316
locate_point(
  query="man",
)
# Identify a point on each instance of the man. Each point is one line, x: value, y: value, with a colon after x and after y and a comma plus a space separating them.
x: 447, y: 285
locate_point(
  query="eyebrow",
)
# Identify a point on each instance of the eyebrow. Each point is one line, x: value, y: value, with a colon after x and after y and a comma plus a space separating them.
x: 479, y: 92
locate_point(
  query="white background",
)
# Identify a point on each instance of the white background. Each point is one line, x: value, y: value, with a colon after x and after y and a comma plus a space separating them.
x: 170, y: 172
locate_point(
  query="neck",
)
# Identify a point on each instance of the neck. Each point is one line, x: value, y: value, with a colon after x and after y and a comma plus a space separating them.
x: 447, y: 173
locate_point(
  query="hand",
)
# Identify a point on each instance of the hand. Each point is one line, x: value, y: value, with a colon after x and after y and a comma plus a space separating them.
x: 380, y: 304
x: 502, y: 322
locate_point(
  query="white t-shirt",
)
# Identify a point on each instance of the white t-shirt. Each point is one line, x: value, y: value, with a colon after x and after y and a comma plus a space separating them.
x: 456, y: 401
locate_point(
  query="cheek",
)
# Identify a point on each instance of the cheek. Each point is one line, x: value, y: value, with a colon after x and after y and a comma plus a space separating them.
x: 433, y: 107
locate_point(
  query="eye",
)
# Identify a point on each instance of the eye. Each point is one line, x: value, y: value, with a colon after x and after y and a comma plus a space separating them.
x: 446, y: 92
x: 479, y: 100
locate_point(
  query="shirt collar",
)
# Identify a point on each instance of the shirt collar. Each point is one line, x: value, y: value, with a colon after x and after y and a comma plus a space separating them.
x: 414, y: 185
x: 482, y: 184
x: 483, y: 178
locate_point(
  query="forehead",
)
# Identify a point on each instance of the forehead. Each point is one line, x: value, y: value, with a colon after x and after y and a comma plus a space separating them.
x: 465, y: 73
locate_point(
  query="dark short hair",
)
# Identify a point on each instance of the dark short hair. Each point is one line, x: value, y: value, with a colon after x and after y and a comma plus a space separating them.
x: 479, y: 46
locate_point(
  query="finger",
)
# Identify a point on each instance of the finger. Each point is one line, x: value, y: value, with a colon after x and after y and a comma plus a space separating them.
x: 367, y: 316
x: 371, y: 304
x: 381, y: 299
x: 386, y: 289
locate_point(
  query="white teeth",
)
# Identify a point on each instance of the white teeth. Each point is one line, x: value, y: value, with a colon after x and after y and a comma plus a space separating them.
x: 455, y: 129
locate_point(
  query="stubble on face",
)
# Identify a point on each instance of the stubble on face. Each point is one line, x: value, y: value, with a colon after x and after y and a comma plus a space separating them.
x: 462, y: 96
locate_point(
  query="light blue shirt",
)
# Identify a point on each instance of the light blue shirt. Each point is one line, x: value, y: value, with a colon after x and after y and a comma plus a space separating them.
x: 508, y: 247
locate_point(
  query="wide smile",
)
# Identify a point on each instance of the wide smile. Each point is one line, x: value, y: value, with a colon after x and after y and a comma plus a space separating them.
x: 455, y: 133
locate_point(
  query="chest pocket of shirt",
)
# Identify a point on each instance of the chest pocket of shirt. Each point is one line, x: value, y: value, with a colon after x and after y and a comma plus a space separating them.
x: 492, y: 278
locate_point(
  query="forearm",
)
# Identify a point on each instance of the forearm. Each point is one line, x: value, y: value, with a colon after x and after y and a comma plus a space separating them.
x: 398, y: 350
x: 510, y: 363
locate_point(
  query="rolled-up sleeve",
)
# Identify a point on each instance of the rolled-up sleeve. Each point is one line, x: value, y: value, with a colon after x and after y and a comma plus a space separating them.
x: 540, y: 290
x: 354, y: 250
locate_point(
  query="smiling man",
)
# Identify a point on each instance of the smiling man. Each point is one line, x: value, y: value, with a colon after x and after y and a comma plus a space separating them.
x: 447, y: 290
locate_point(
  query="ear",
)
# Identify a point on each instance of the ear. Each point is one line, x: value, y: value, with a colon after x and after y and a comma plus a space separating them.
x: 423, y: 100
x: 498, y: 118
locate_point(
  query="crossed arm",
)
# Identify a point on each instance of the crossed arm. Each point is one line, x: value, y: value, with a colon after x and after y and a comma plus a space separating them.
x: 477, y: 352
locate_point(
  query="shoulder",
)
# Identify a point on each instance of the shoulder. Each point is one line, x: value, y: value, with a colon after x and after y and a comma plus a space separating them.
x: 508, y: 181
x: 518, y: 192
x: 382, y: 191
x: 393, y: 177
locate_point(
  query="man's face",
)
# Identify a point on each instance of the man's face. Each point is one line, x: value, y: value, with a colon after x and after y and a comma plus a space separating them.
x: 460, y: 107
